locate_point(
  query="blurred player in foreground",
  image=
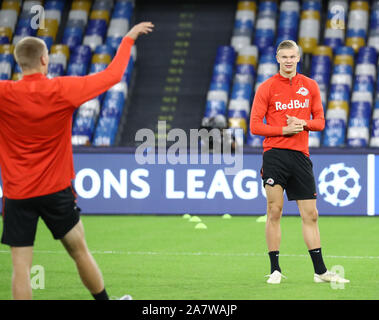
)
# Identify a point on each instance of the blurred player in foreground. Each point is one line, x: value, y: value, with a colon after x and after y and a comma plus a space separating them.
x: 36, y: 157
x: 287, y: 101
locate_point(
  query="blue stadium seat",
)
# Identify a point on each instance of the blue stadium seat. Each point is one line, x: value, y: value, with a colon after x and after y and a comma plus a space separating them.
x: 254, y: 140
x: 217, y: 96
x: 72, y: 36
x: 314, y: 139
x: 288, y: 21
x: 55, y: 70
x: 267, y: 66
x: 215, y: 107
x: 105, y: 132
x: 266, y: 25
x: 373, y: 38
x: 334, y: 133
x: 334, y: 35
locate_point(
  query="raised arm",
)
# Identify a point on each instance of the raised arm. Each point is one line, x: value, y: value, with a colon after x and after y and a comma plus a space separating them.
x: 78, y: 90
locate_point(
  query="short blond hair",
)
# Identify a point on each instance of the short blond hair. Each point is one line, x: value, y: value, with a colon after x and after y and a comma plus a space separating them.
x: 29, y: 51
x: 288, y: 44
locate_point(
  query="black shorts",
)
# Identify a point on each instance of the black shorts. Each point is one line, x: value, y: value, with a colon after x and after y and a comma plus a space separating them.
x: 20, y: 217
x: 291, y: 169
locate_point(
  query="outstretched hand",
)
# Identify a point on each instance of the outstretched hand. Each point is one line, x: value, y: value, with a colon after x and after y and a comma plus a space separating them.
x: 141, y: 28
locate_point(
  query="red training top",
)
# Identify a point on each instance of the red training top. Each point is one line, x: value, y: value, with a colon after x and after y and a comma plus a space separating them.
x: 35, y: 126
x: 279, y: 96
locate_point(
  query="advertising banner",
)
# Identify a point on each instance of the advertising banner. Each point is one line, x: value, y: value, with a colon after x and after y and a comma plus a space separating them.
x: 118, y: 184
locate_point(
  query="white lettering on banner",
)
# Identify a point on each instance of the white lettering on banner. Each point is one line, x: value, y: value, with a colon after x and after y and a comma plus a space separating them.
x: 252, y: 186
x: 193, y: 184
x: 293, y: 104
x: 135, y: 178
x: 170, y: 186
x: 79, y: 183
x: 219, y: 184
x: 119, y: 185
x: 111, y: 181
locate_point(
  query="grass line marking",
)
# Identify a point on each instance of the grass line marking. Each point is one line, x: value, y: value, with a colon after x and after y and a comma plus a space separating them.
x: 221, y: 254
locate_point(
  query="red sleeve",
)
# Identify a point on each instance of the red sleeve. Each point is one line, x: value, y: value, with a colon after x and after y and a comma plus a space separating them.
x: 258, y: 112
x: 318, y: 122
x: 77, y: 90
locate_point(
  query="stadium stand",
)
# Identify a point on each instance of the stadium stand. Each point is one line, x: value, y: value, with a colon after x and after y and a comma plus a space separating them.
x: 339, y: 42
x: 90, y: 36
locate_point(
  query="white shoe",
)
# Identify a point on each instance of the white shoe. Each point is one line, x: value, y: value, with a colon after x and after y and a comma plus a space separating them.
x: 126, y: 297
x: 275, y: 277
x: 329, y: 277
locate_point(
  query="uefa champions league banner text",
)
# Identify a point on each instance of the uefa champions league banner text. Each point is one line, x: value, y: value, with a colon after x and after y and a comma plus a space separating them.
x: 116, y: 183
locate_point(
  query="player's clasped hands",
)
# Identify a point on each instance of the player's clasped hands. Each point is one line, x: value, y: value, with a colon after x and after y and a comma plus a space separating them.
x: 294, y: 126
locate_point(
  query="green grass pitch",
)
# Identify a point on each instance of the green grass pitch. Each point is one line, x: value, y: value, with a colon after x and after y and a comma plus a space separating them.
x: 166, y: 258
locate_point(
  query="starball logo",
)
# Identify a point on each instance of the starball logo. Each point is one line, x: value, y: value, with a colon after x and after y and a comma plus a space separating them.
x: 293, y: 104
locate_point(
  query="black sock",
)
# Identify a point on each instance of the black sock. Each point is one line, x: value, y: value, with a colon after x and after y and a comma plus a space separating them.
x: 318, y: 262
x: 274, y: 260
x: 101, y: 295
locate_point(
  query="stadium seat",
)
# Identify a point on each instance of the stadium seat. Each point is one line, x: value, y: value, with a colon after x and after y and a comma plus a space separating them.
x: 72, y: 36
x: 82, y: 130
x: 321, y: 69
x: 342, y: 74
x: 118, y: 27
x: 55, y: 70
x: 267, y: 66
x: 6, y: 66
x: 80, y: 59
x: 314, y: 139
x: 50, y: 29
x: 334, y: 35
x: 100, y: 15
x: 6, y: 49
x: 61, y: 49
x: 266, y: 25
x: 5, y: 33
x: 248, y: 55
x: 254, y: 140
x: 89, y: 109
x: 81, y: 5
x: 244, y: 25
x: 334, y: 133
x: 374, y: 141
x: 288, y: 21
x: 362, y: 98
x: 17, y: 73
x: 236, y: 123
x: 58, y: 58
x: 106, y: 130
x: 11, y: 5
x: 217, y: 96
x: 373, y: 38
x: 28, y: 4
x: 357, y: 24
x: 309, y: 29
x: 8, y: 18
